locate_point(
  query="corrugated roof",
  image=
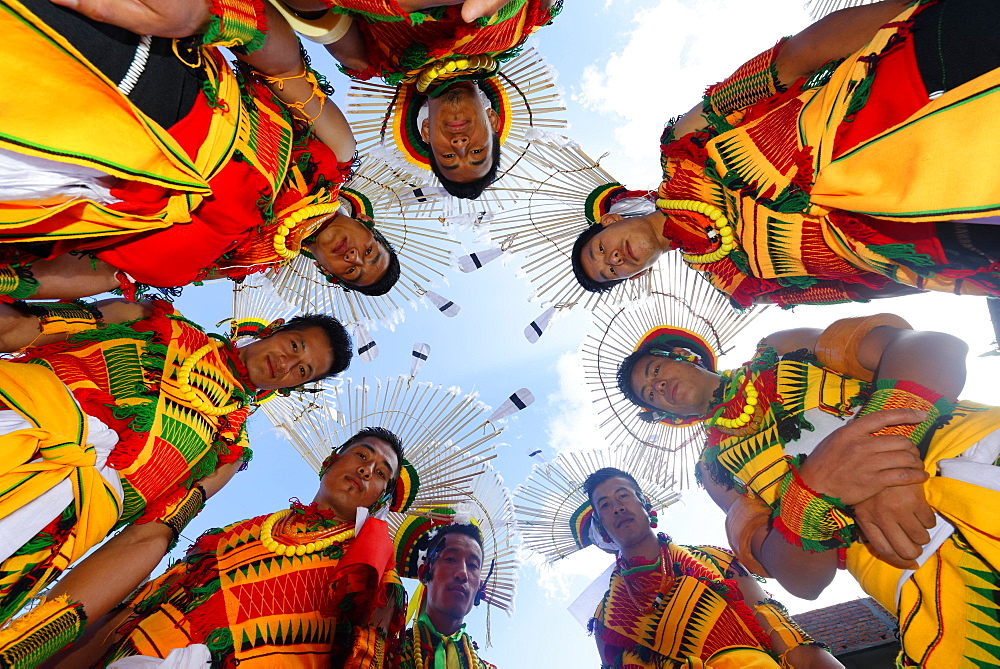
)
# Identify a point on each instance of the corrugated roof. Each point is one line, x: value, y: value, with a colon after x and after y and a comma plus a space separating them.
x: 850, y: 626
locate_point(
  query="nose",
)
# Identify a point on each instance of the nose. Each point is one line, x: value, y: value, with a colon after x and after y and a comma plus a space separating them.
x: 660, y: 386
x: 364, y: 470
x: 459, y: 144
x: 352, y: 256
x: 615, y: 257
x: 461, y: 574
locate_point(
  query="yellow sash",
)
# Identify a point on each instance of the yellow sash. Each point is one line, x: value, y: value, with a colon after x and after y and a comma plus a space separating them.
x: 60, y: 439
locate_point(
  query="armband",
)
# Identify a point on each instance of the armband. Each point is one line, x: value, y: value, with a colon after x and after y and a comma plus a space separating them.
x: 183, y: 513
x: 42, y: 632
x: 325, y: 29
x: 744, y: 518
x: 17, y: 282
x: 781, y: 622
x: 810, y: 519
x: 837, y: 348
x: 63, y: 317
x: 239, y: 23
x: 753, y: 81
x: 893, y: 394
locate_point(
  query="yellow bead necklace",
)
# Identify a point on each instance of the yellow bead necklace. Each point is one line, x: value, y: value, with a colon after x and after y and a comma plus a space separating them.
x: 286, y: 548
x: 749, y: 408
x: 188, y: 392
x: 719, y: 222
x: 293, y: 219
x: 449, y: 68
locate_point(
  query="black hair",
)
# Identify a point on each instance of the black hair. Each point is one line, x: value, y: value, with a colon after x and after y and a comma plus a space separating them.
x: 336, y: 334
x: 468, y: 190
x: 388, y: 280
x: 602, y: 475
x: 437, y: 543
x: 625, y: 378
x: 576, y: 255
x: 378, y: 433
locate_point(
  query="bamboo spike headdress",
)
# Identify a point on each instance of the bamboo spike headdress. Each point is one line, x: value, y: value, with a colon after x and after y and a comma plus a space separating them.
x: 522, y: 93
x: 554, y: 515
x: 566, y: 190
x: 490, y: 508
x: 406, y: 219
x: 446, y: 437
x: 692, y: 316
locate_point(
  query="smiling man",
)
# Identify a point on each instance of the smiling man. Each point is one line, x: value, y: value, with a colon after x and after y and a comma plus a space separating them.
x: 301, y: 587
x: 148, y: 413
x: 454, y: 578
x: 671, y: 605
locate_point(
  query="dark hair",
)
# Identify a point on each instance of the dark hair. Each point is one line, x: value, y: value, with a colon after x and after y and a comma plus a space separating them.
x: 437, y: 544
x: 468, y: 190
x: 588, y: 284
x: 336, y: 334
x: 388, y: 280
x: 602, y: 475
x: 625, y: 377
x: 375, y: 432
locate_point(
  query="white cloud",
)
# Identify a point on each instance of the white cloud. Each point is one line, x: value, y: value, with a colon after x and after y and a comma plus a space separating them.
x: 675, y: 50
x: 572, y: 425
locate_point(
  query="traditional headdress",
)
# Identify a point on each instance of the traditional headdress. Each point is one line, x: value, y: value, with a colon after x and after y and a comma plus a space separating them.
x: 690, y: 321
x: 385, y: 117
x: 553, y: 512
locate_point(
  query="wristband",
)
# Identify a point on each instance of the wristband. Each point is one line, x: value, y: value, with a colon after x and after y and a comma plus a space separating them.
x: 239, y: 23
x: 63, y: 317
x: 41, y: 633
x: 753, y: 81
x: 810, y: 519
x: 893, y: 394
x: 183, y: 513
x: 781, y: 622
x: 17, y: 282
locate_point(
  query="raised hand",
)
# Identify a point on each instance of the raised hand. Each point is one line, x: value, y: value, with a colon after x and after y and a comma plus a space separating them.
x: 160, y: 18
x: 854, y: 466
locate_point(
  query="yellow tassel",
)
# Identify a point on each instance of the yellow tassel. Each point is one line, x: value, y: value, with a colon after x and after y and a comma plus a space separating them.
x: 416, y: 603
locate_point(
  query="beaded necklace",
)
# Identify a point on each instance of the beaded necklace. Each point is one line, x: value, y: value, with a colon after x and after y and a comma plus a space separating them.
x: 188, y: 391
x: 720, y: 224
x: 293, y: 219
x: 740, y: 397
x: 288, y: 542
x: 444, y: 69
x: 418, y: 647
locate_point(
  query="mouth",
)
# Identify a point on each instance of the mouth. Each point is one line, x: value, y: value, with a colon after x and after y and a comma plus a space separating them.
x: 458, y: 589
x: 624, y: 521
x: 457, y: 126
x: 629, y: 253
x: 340, y: 247
x: 354, y: 482
x: 271, y: 369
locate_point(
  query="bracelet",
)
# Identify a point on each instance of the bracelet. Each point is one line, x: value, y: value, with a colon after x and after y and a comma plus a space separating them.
x: 42, y: 632
x: 63, y: 317
x: 183, y: 513
x: 239, y: 23
x: 837, y: 347
x: 893, y: 394
x: 745, y: 516
x: 810, y: 519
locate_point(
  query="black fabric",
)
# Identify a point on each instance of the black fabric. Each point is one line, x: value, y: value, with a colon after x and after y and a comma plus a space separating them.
x: 969, y: 244
x: 956, y: 41
x: 167, y: 88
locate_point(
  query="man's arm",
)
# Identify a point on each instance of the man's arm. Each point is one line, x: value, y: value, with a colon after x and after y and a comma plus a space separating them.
x: 20, y: 329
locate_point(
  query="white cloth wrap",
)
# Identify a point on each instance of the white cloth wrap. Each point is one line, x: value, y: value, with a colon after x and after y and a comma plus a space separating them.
x: 21, y: 525
x: 195, y: 656
x: 24, y: 177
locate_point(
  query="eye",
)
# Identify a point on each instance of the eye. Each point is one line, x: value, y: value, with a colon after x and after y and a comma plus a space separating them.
x: 368, y: 251
x: 350, y: 271
x: 295, y: 346
x: 604, y: 505
x: 362, y: 455
x: 382, y: 475
x: 650, y: 395
x: 477, y: 151
x: 612, y: 271
x: 600, y: 247
x: 472, y: 566
x: 448, y: 155
x: 656, y: 370
x: 302, y: 371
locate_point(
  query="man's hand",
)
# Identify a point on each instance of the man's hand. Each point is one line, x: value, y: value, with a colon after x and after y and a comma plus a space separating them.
x: 853, y: 465
x: 161, y: 18
x: 895, y: 523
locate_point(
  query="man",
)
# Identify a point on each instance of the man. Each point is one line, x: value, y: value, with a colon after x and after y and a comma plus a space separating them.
x: 448, y: 561
x: 915, y: 481
x: 438, y: 50
x: 125, y: 413
x: 210, y: 173
x: 804, y: 180
x: 671, y: 605
x: 294, y: 588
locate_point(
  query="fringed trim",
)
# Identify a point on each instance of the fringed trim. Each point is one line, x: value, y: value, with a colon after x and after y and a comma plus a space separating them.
x: 809, y: 519
x: 42, y: 632
x: 237, y: 23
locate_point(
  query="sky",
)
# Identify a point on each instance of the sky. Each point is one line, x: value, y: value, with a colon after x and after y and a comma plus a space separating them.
x: 623, y: 71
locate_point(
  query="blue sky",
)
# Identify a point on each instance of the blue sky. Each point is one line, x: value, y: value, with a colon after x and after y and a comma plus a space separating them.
x: 623, y: 70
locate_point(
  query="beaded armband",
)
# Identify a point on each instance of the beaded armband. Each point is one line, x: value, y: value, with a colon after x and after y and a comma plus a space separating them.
x: 63, y: 317
x: 42, y: 632
x: 239, y: 23
x: 753, y: 81
x: 781, y: 622
x: 16, y: 282
x: 892, y: 394
x: 810, y: 519
x: 744, y: 518
x: 183, y: 513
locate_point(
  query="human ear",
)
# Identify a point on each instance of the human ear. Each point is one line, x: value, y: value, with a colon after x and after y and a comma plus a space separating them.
x: 608, y: 219
x: 494, y: 119
x: 425, y: 130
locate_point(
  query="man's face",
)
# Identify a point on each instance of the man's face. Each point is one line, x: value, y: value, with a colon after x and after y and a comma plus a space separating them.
x: 455, y: 576
x: 287, y: 358
x: 623, y: 249
x: 357, y: 478
x: 617, y: 506
x: 347, y: 249
x: 459, y: 130
x: 676, y: 386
